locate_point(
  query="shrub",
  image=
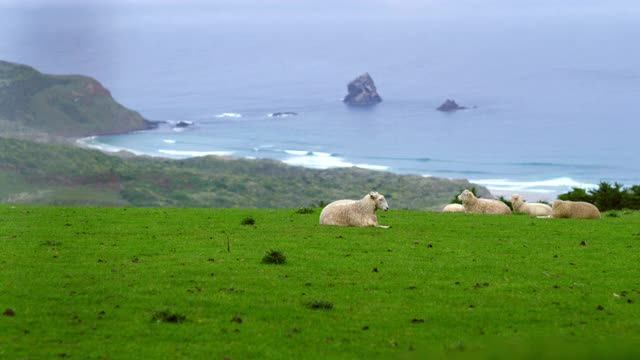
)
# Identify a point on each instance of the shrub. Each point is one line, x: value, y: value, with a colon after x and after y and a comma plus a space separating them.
x: 507, y: 202
x: 274, y: 257
x: 607, y: 196
x: 319, y: 304
x: 576, y: 194
x: 631, y: 198
x: 248, y: 221
x: 305, y: 210
x: 168, y: 316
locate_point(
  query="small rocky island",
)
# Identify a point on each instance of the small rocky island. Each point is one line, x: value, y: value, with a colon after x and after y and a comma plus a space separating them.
x: 183, y: 124
x: 283, y: 114
x: 450, y: 105
x: 362, y: 92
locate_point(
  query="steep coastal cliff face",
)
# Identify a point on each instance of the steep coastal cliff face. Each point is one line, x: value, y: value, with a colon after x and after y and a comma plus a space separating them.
x: 63, y: 105
x: 362, y: 92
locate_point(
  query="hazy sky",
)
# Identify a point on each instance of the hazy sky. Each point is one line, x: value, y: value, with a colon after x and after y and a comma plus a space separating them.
x: 391, y: 7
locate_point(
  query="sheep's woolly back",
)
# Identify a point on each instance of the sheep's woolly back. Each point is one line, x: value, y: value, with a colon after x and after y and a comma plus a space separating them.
x: 574, y: 210
x: 453, y: 208
x: 482, y: 206
x: 533, y: 209
x: 352, y: 212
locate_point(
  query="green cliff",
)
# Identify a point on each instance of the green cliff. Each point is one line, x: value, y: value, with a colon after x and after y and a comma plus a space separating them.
x: 60, y: 105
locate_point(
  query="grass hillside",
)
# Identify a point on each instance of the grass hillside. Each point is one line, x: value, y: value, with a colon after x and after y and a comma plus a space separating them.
x: 166, y: 283
x: 58, y: 174
x: 32, y: 104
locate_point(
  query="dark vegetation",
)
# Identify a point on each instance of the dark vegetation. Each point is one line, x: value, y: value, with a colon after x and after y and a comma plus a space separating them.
x: 67, y: 175
x: 168, y: 316
x: 607, y: 196
x: 319, y: 304
x: 274, y: 257
x: 248, y: 221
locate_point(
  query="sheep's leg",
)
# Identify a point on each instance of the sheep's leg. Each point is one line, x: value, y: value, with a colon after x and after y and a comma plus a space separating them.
x: 383, y: 226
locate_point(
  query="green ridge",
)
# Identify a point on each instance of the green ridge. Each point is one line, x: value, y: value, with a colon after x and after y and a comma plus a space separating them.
x: 61, y: 174
x: 62, y: 105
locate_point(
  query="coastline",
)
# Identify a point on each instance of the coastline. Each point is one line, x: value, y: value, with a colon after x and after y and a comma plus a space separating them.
x: 534, y: 195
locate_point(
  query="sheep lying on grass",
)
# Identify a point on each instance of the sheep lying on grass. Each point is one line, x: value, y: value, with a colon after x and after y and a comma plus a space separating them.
x: 453, y: 208
x: 482, y: 206
x: 354, y: 212
x: 574, y: 210
x: 533, y: 209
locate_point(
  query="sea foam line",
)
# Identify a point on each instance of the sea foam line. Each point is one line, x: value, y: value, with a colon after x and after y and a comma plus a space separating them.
x: 228, y: 115
x: 92, y: 143
x: 194, y: 153
x: 323, y: 160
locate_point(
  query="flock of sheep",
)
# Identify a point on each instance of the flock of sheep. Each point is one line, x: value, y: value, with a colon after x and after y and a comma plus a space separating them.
x: 363, y: 212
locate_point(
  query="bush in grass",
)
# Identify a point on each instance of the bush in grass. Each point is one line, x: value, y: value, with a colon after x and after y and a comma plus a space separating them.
x: 607, y: 196
x: 305, y: 210
x: 576, y: 194
x: 168, y: 316
x: 632, y: 198
x: 319, y: 304
x: 274, y: 257
x: 248, y: 221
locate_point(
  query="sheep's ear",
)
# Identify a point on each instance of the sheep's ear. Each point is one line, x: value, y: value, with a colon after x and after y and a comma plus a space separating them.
x: 373, y: 194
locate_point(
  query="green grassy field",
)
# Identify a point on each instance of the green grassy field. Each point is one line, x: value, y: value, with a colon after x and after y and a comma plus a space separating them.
x: 156, y: 283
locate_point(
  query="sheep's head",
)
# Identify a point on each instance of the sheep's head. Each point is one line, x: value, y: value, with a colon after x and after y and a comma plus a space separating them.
x: 465, y: 196
x: 381, y: 202
x: 515, y: 198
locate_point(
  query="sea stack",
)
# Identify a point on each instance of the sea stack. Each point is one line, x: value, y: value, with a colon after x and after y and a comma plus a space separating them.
x: 450, y: 105
x: 362, y: 92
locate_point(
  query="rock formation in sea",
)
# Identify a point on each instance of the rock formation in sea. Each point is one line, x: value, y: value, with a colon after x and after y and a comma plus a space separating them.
x: 283, y: 114
x: 450, y: 105
x: 183, y: 124
x: 362, y: 92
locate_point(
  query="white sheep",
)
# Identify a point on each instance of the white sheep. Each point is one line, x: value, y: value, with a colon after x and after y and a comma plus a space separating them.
x: 482, y: 206
x: 533, y: 209
x: 574, y: 210
x: 355, y: 212
x: 453, y: 208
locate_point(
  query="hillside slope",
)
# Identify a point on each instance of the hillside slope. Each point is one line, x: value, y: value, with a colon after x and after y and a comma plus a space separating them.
x: 60, y: 174
x: 33, y: 103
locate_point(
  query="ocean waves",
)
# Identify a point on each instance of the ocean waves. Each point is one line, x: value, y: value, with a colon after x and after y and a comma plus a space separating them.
x: 553, y: 185
x: 191, y: 153
x: 228, y: 115
x: 323, y: 160
x: 544, y: 178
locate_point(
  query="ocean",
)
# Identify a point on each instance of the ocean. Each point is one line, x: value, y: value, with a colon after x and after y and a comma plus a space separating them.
x: 552, y: 91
